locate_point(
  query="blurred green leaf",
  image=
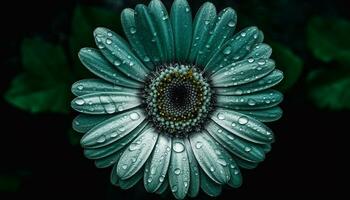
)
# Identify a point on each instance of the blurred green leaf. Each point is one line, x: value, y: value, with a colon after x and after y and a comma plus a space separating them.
x: 330, y: 88
x: 328, y: 39
x: 85, y: 20
x: 9, y: 183
x: 289, y: 63
x: 44, y: 84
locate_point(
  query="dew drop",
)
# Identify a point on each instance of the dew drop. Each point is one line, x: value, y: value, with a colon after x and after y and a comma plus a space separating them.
x: 222, y: 162
x: 247, y: 149
x: 108, y: 41
x: 109, y: 34
x: 261, y: 62
x: 120, y: 108
x: 233, y: 124
x: 178, y: 147
x: 250, y: 60
x: 207, y: 22
x: 80, y: 87
x: 231, y: 24
x: 243, y: 34
x: 161, y: 179
x: 219, y: 130
x: 101, y: 139
x: 132, y: 30
x: 134, y: 116
x: 134, y: 146
x: 174, y: 188
x: 114, y: 134
x: 227, y: 50
x: 221, y: 116
x: 187, y: 9
x: 124, y: 166
x: 236, y: 172
x: 212, y: 169
x: 117, y: 63
x: 80, y: 102
x: 199, y: 145
x: 165, y: 17
x: 243, y: 120
x: 121, y: 129
x: 149, y: 179
x: 177, y: 171
x: 251, y: 102
x: 146, y: 59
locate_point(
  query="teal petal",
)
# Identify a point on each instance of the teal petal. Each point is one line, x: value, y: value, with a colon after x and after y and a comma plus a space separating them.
x: 114, y: 176
x: 203, y: 22
x: 94, y: 61
x: 193, y: 189
x: 260, y: 51
x: 129, y: 26
x: 236, y: 145
x: 265, y: 115
x: 105, y: 102
x: 118, y: 52
x: 210, y: 157
x: 109, y: 131
x: 88, y: 86
x: 157, y: 166
x: 147, y: 33
x: 163, y: 27
x: 163, y: 187
x: 236, y: 176
x: 181, y: 20
x: 179, y: 169
x: 245, y: 164
x: 222, y: 30
x: 130, y: 182
x: 108, y: 160
x: 242, y: 72
x: 233, y: 50
x: 243, y: 126
x: 266, y: 147
x: 83, y: 123
x: 260, y: 100
x: 137, y: 153
x: 265, y: 82
x: 97, y: 153
x: 210, y: 187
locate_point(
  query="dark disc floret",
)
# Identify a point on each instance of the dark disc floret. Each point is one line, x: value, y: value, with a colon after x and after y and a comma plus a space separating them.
x: 178, y: 99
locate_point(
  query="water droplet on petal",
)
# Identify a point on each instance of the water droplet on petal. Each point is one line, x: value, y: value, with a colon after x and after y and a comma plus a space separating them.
x: 221, y: 116
x: 199, y: 145
x: 250, y: 60
x: 101, y: 139
x: 174, y: 188
x: 177, y: 171
x: 161, y: 179
x: 243, y: 34
x: 132, y: 30
x: 146, y: 59
x: 108, y: 41
x: 149, y: 179
x: 222, y: 162
x: 134, y: 116
x: 251, y: 102
x: 109, y: 34
x: 117, y: 63
x: 227, y: 50
x: 232, y: 24
x: 212, y: 169
x: 80, y: 87
x: 80, y: 102
x: 243, y: 120
x: 261, y: 62
x: 247, y: 149
x: 178, y: 147
x: 124, y: 166
x: 187, y: 9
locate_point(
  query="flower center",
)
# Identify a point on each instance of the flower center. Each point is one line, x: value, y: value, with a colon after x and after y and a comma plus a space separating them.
x: 178, y: 99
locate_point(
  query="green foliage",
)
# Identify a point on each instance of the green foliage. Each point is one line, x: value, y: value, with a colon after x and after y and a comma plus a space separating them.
x: 85, y: 20
x: 289, y: 63
x: 328, y: 39
x: 44, y: 84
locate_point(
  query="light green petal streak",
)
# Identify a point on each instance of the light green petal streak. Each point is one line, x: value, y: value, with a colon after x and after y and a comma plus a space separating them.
x: 83, y: 122
x: 88, y: 86
x: 236, y: 145
x: 265, y: 82
x: 113, y: 129
x: 147, y: 33
x: 94, y: 61
x: 209, y: 156
x: 164, y: 29
x: 265, y: 115
x: 118, y: 52
x: 203, y: 22
x: 233, y: 50
x: 222, y: 30
x: 209, y: 186
x: 181, y: 19
x: 243, y: 126
x: 194, y: 186
x: 134, y: 157
x: 179, y: 169
x: 259, y: 100
x: 157, y: 165
x: 129, y: 27
x: 105, y: 102
x: 101, y: 152
x: 242, y: 72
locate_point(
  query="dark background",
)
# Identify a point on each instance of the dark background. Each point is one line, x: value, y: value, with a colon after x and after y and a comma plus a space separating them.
x: 39, y: 158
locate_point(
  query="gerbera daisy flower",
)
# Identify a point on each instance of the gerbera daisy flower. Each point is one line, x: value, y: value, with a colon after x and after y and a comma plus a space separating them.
x: 181, y: 105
